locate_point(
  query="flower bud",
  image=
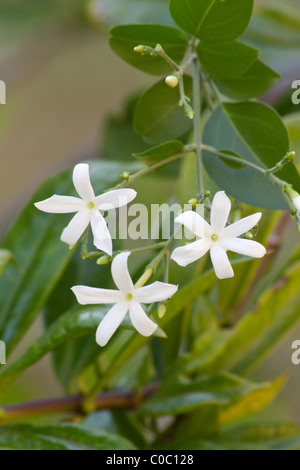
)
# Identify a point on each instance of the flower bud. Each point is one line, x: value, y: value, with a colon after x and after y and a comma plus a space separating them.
x: 125, y: 175
x: 105, y: 259
x: 162, y: 310
x: 190, y: 113
x: 193, y: 202
x: 294, y: 197
x: 172, y: 81
x: 291, y: 156
x: 140, y: 49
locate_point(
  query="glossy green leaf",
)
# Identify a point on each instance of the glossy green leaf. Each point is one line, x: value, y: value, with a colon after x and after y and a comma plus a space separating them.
x: 160, y: 152
x: 34, y: 239
x: 256, y: 133
x: 6, y: 257
x: 226, y: 61
x: 258, y: 333
x: 76, y: 323
x: 215, y: 21
x: 125, y: 38
x: 73, y: 355
x: 258, y: 79
x: 62, y: 436
x: 158, y: 117
x: 183, y: 396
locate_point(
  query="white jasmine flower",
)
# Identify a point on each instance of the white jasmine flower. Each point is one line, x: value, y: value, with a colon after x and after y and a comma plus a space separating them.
x: 296, y: 202
x: 217, y: 238
x: 87, y: 208
x: 127, y: 298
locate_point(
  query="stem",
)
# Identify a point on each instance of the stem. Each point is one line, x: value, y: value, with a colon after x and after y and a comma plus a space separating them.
x: 98, y: 254
x: 120, y: 399
x: 197, y: 125
x: 149, y: 169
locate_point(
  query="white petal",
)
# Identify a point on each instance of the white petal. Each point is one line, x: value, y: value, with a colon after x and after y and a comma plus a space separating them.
x: 110, y: 323
x: 102, y: 238
x: 195, y: 223
x: 82, y: 182
x: 140, y: 320
x: 120, y: 273
x: 76, y: 227
x: 92, y: 295
x: 296, y: 202
x: 114, y: 199
x: 60, y: 204
x: 242, y: 226
x: 244, y: 247
x: 221, y: 262
x: 220, y: 210
x: 155, y: 292
x: 187, y: 254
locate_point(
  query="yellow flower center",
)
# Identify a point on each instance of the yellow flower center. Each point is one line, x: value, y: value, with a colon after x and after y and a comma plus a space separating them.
x: 215, y: 237
x: 129, y: 297
x: 91, y: 205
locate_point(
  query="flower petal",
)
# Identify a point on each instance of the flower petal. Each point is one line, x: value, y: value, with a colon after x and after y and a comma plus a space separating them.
x: 60, y: 204
x: 244, y: 247
x: 242, y: 226
x: 220, y: 210
x: 120, y: 273
x: 140, y: 320
x: 221, y: 262
x: 114, y: 199
x: 102, y: 238
x: 110, y: 323
x: 187, y: 254
x: 195, y: 223
x: 76, y: 227
x: 92, y: 295
x: 155, y: 292
x: 82, y: 182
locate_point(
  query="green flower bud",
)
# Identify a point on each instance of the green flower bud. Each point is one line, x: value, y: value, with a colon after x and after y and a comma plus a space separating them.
x: 172, y: 81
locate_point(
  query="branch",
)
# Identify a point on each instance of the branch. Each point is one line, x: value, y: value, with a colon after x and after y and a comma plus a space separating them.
x: 123, y: 399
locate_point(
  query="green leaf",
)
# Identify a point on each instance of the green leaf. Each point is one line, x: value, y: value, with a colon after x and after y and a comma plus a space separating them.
x: 158, y: 116
x: 125, y: 38
x: 119, y: 140
x: 259, y: 432
x: 257, y: 334
x: 6, y: 257
x: 258, y: 79
x: 60, y: 437
x: 256, y: 133
x: 35, y: 241
x: 226, y: 61
x: 252, y: 402
x: 78, y: 322
x: 160, y: 152
x: 215, y: 21
x: 74, y: 355
x: 183, y: 396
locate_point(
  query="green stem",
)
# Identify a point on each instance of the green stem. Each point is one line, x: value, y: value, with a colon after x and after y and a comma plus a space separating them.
x: 149, y: 169
x: 197, y: 125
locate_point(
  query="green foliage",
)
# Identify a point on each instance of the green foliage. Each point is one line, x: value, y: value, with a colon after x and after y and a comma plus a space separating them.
x: 226, y: 61
x: 256, y: 132
x: 60, y: 437
x: 213, y: 21
x: 160, y: 152
x: 125, y: 38
x: 158, y: 117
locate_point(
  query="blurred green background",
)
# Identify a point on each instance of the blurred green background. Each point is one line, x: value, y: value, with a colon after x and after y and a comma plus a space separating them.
x: 63, y: 82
